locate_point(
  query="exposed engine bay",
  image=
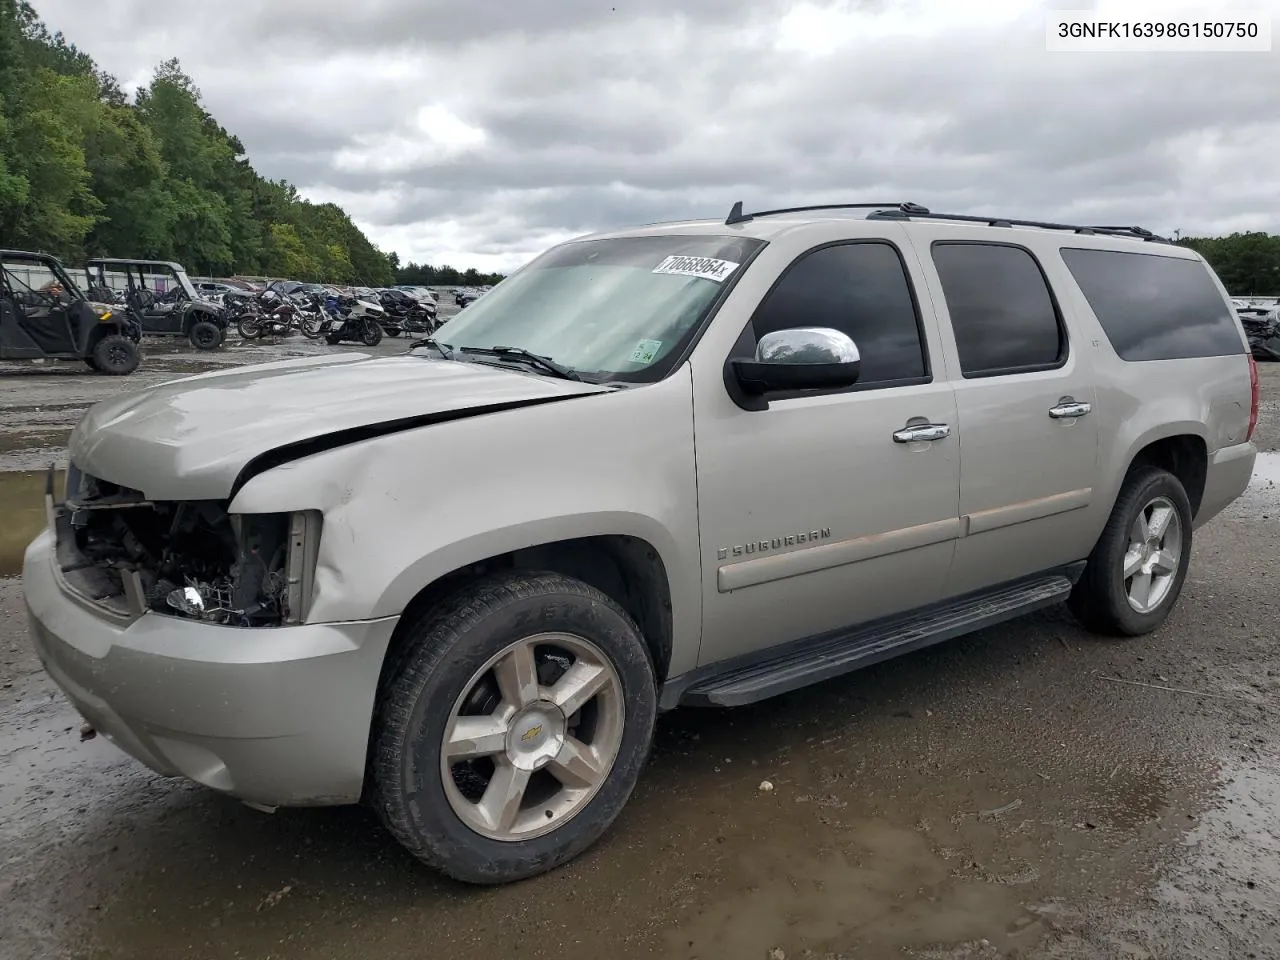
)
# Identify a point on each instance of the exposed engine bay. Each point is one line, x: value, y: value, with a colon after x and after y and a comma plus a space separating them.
x: 182, y: 558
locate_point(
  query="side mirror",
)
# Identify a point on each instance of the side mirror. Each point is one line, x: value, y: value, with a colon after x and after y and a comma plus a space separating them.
x: 802, y: 358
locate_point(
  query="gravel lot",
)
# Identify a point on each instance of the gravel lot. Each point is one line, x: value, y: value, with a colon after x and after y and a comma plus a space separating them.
x: 1029, y: 791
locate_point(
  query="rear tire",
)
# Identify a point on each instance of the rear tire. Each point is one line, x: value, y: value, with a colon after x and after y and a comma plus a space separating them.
x: 205, y: 335
x: 505, y: 653
x: 392, y: 331
x: 248, y: 326
x: 1136, y: 571
x: 115, y: 355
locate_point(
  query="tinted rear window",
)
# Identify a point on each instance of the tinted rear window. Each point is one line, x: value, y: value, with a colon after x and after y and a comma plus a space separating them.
x: 1153, y: 307
x: 1002, y: 313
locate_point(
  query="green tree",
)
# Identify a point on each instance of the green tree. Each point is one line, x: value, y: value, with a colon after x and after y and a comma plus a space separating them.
x: 1247, y: 263
x: 84, y: 171
x: 128, y: 174
x: 287, y: 255
x: 45, y: 147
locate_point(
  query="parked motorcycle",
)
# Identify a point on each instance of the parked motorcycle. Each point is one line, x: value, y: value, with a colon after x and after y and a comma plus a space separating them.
x: 406, y: 313
x: 273, y: 314
x: 351, y: 319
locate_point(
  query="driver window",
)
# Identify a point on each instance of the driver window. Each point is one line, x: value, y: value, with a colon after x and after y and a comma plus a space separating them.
x: 861, y: 289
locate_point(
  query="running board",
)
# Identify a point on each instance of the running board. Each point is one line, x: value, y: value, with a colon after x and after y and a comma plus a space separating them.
x: 821, y: 658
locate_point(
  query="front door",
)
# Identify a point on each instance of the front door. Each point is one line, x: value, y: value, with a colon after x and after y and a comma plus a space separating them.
x: 1025, y: 398
x: 40, y: 304
x: 812, y: 515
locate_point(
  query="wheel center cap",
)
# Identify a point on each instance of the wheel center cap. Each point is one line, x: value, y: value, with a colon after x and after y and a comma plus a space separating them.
x: 535, y: 735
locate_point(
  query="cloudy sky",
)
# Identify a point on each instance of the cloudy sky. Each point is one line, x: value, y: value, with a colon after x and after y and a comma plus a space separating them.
x: 476, y: 132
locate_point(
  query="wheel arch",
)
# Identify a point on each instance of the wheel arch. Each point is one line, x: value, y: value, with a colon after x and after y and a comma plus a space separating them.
x: 1181, y: 450
x: 99, y: 332
x: 193, y: 313
x: 626, y: 568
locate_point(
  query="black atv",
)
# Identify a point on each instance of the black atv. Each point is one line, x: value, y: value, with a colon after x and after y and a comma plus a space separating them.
x: 160, y: 296
x: 44, y: 316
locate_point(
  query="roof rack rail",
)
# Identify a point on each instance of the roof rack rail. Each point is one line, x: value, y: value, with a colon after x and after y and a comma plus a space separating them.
x: 899, y: 209
x: 908, y: 210
x: 1084, y: 229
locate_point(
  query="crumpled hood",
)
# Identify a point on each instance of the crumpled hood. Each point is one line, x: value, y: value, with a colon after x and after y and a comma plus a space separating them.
x: 189, y: 439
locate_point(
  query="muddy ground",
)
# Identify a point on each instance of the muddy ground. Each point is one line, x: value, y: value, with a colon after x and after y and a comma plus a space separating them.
x: 1029, y: 791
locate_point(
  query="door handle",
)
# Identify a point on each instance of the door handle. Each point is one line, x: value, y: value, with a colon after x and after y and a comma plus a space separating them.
x: 924, y: 431
x: 1068, y: 409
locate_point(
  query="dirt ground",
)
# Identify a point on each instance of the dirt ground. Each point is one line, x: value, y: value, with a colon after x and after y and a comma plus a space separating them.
x: 1030, y: 791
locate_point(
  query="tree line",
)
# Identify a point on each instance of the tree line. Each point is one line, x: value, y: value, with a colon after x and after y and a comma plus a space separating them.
x: 85, y: 172
x: 420, y: 274
x: 1247, y: 263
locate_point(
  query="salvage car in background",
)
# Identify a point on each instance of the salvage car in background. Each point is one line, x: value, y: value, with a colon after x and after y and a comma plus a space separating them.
x: 1262, y: 327
x: 161, y: 298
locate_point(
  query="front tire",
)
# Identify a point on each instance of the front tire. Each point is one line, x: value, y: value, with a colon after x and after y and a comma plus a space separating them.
x: 115, y: 355
x: 1136, y: 571
x: 205, y: 335
x: 371, y: 334
x: 512, y: 727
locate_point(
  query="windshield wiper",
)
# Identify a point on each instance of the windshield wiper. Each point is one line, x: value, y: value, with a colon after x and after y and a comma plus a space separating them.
x: 534, y: 359
x: 445, y: 351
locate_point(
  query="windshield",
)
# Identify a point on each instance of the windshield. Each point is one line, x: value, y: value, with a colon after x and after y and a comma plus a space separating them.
x: 613, y: 308
x: 185, y: 283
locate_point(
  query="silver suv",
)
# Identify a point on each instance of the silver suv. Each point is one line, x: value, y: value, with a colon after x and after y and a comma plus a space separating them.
x: 691, y: 463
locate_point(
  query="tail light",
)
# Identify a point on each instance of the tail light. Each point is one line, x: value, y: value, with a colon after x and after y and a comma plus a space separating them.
x: 1253, y: 396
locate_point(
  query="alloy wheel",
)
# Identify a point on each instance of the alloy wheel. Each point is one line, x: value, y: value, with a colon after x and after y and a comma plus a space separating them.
x: 1152, y: 559
x: 532, y: 737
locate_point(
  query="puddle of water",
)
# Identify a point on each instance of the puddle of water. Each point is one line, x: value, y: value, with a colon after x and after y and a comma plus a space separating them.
x: 1262, y: 496
x: 852, y: 894
x: 35, y: 440
x: 1223, y: 900
x: 1266, y: 470
x: 22, y: 506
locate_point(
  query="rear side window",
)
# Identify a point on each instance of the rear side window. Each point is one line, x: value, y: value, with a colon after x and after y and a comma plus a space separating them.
x: 1153, y: 307
x: 1002, y: 313
x: 861, y: 289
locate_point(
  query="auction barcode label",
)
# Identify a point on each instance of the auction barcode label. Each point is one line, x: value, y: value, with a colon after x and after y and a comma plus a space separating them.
x: 1219, y: 31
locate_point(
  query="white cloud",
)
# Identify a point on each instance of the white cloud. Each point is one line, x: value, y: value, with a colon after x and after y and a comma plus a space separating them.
x: 476, y: 132
x: 435, y: 135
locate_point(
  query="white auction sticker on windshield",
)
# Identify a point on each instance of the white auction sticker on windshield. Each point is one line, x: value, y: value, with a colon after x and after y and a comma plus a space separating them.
x: 645, y: 351
x: 708, y: 268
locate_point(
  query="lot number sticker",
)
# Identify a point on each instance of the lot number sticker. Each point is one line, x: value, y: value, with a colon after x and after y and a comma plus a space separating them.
x: 645, y: 351
x: 708, y: 268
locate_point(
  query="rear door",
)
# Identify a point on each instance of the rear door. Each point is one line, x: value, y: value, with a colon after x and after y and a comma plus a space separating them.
x: 1025, y: 399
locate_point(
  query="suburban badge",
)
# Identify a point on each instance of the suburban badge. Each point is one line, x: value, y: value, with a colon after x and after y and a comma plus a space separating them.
x: 773, y: 543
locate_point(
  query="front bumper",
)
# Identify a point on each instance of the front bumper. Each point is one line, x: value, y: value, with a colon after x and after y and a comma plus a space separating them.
x: 278, y: 717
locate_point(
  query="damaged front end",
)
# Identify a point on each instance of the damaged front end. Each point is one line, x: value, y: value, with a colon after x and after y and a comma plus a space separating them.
x: 129, y: 555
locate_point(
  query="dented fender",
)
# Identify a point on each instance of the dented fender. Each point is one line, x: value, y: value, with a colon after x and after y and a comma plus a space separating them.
x: 404, y: 509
